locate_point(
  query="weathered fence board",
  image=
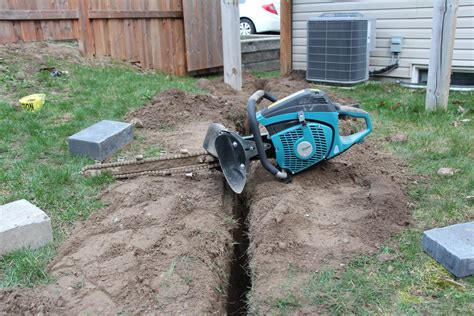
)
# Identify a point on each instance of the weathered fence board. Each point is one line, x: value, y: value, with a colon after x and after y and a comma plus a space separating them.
x: 202, y: 21
x: 25, y: 15
x: 134, y: 14
x: 86, y: 36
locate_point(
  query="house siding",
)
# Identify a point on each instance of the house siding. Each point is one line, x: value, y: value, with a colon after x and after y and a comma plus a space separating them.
x: 410, y: 19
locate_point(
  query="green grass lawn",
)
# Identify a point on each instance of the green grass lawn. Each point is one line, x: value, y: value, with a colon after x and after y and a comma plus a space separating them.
x: 35, y: 165
x: 34, y: 161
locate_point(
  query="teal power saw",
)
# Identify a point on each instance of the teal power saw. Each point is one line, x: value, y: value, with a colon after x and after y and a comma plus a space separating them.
x: 302, y: 130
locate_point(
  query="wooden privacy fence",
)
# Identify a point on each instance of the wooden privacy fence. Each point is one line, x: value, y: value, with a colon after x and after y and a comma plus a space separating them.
x: 149, y: 32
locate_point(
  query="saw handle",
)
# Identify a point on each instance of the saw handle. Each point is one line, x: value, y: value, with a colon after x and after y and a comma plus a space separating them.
x: 253, y: 123
x: 348, y: 141
x: 258, y: 95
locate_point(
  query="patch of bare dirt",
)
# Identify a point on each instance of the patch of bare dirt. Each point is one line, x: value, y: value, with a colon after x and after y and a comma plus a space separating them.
x: 329, y: 214
x: 174, y: 107
x: 164, y: 245
x: 21, y: 62
x: 37, y: 54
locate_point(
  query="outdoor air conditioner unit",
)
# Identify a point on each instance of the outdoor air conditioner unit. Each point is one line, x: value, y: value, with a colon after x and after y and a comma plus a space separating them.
x: 338, y: 48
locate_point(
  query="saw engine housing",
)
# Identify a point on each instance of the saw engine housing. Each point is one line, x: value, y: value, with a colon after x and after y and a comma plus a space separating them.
x: 303, y: 130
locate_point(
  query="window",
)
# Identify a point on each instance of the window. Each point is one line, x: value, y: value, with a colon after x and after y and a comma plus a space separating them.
x: 458, y: 78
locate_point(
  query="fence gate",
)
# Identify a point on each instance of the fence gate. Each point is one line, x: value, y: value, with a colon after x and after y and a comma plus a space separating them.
x: 203, y: 34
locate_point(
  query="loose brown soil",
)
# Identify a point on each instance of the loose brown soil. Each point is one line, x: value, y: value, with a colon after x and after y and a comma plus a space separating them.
x: 165, y: 245
x: 326, y: 216
x: 162, y: 245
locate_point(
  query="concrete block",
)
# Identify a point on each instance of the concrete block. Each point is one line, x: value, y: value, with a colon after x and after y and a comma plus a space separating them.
x: 101, y: 140
x: 453, y: 247
x: 23, y: 225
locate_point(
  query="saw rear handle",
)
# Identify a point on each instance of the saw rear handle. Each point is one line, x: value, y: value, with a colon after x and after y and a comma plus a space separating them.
x: 252, y: 118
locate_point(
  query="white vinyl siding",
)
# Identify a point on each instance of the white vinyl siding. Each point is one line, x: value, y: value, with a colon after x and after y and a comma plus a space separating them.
x: 410, y: 19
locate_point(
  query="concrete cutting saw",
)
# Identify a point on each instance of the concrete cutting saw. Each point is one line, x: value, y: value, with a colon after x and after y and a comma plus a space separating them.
x: 302, y: 130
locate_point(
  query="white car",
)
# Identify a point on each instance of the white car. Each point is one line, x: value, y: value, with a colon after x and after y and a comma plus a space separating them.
x: 257, y: 16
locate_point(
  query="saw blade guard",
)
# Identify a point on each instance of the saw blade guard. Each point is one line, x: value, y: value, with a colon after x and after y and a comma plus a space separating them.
x: 230, y: 149
x: 234, y: 153
x: 213, y: 131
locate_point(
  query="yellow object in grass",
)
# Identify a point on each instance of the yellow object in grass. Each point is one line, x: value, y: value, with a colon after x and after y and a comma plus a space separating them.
x: 33, y: 102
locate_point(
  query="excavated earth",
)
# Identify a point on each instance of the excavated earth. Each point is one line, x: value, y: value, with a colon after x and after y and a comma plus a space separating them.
x: 189, y: 245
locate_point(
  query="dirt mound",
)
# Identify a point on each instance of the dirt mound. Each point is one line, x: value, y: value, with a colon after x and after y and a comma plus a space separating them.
x: 41, y: 52
x: 328, y: 214
x: 174, y: 107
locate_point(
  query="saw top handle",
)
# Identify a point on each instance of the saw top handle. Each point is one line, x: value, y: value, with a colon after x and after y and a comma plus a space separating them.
x: 252, y: 117
x: 348, y: 141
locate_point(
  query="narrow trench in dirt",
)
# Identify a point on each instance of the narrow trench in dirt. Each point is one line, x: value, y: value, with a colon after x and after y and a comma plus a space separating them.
x: 240, y: 278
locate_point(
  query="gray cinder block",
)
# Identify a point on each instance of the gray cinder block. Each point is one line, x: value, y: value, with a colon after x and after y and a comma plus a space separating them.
x: 101, y: 140
x: 23, y: 225
x: 453, y: 247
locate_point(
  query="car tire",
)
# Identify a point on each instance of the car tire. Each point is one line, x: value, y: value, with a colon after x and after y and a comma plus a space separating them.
x: 246, y: 27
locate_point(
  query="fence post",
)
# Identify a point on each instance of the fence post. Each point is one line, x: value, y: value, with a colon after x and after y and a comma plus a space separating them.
x: 231, y: 43
x: 285, y: 37
x: 441, y: 55
x: 86, y: 37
